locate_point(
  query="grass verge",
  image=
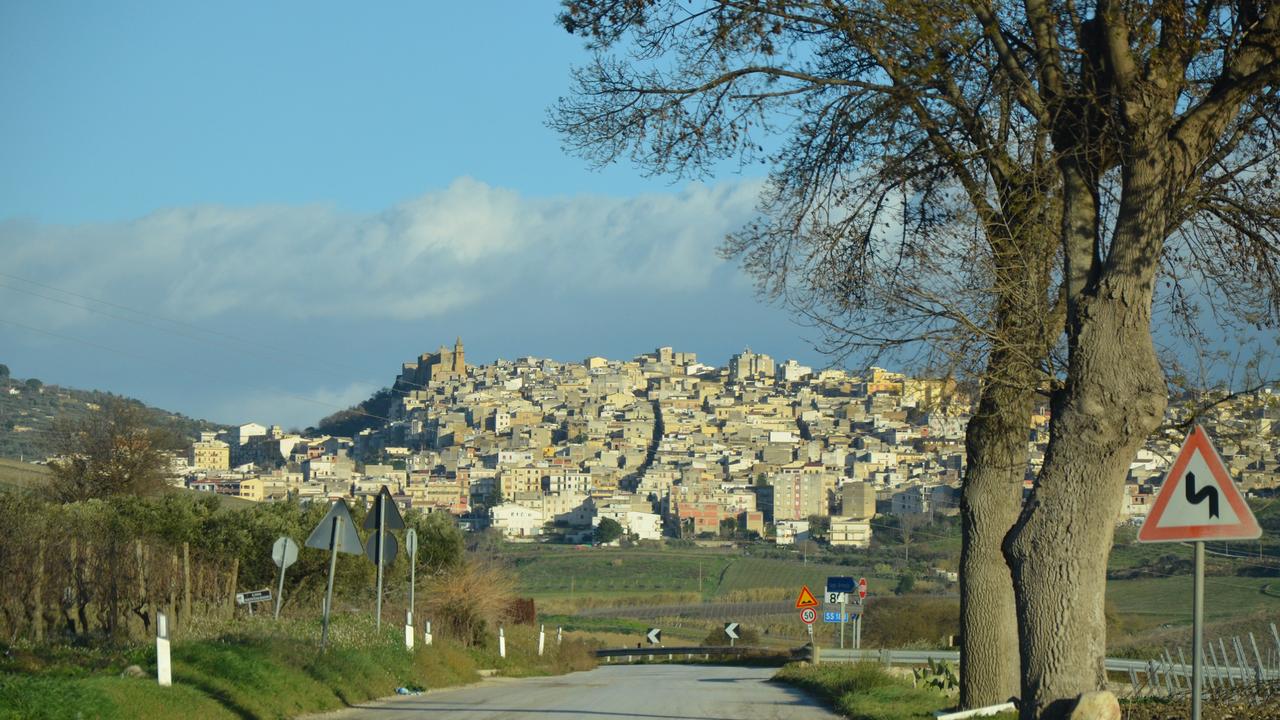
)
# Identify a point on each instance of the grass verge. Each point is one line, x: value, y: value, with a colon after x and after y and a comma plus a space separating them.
x: 864, y: 691
x: 260, y: 672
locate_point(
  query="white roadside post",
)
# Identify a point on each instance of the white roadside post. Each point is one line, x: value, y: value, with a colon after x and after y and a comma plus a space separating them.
x: 410, y: 547
x: 426, y: 634
x: 542, y: 638
x: 1198, y: 501
x: 559, y: 635
x: 164, y: 670
x: 502, y: 642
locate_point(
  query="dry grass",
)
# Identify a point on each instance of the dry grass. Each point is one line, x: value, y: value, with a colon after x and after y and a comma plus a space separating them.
x: 469, y: 601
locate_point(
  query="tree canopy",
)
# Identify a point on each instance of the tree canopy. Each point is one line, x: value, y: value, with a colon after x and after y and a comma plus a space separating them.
x: 112, y: 451
x: 1009, y: 183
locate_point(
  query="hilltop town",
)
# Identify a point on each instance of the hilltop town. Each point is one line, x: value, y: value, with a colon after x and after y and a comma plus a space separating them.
x: 666, y: 446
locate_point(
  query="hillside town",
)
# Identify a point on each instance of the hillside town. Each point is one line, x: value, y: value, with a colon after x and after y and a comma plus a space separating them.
x: 666, y: 446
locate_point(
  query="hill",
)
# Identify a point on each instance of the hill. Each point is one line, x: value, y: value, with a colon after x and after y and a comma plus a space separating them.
x: 30, y: 409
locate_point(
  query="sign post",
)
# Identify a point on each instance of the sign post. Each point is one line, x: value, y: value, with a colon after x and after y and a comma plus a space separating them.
x: 1198, y: 502
x: 283, y: 553
x: 806, y: 603
x: 838, y: 589
x: 411, y: 548
x: 731, y: 629
x: 335, y: 533
x: 385, y: 517
x: 862, y: 599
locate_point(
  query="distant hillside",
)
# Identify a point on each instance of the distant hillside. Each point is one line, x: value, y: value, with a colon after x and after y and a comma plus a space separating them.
x: 368, y: 414
x: 29, y: 409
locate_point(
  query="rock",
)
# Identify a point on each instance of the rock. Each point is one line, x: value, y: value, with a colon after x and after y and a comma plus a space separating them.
x: 1096, y: 705
x: 133, y: 671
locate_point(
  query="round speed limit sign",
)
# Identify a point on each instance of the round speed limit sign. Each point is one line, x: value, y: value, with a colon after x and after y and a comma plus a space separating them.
x: 808, y: 616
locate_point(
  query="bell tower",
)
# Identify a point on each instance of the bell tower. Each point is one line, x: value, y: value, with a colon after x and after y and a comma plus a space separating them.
x: 459, y: 359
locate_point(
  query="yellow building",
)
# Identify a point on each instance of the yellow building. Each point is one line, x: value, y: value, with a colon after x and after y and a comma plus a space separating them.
x: 211, y: 455
x: 514, y: 480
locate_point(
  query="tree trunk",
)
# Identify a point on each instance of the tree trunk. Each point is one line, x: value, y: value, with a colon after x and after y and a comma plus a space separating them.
x: 37, y: 593
x: 996, y: 462
x: 232, y: 585
x: 1115, y: 396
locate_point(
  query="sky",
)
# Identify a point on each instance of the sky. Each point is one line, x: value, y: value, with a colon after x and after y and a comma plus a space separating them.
x: 255, y: 212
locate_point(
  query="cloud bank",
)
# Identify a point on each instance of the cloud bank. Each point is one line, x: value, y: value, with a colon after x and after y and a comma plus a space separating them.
x: 438, y: 253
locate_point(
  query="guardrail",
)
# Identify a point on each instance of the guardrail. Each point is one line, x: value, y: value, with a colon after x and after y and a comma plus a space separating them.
x: 901, y: 657
x: 699, y: 652
x: 1120, y: 665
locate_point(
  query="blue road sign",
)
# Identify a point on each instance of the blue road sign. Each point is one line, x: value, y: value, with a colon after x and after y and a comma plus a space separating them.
x: 833, y: 616
x: 841, y: 583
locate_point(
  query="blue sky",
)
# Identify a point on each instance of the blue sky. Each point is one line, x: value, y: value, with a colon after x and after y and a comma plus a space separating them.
x: 257, y: 211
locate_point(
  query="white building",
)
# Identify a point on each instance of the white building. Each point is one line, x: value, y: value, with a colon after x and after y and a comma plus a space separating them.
x: 516, y: 521
x: 790, y: 532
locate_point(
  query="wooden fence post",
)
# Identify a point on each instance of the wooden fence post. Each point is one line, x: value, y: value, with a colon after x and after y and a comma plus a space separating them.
x: 142, y: 585
x: 186, y: 581
x: 172, y: 606
x: 231, y: 590
x: 37, y: 592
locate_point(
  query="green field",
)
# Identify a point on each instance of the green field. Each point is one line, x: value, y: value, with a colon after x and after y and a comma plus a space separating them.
x: 558, y: 571
x: 15, y: 473
x: 566, y: 570
x: 1170, y: 597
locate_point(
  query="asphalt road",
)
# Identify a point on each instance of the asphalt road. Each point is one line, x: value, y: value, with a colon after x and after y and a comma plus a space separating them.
x: 637, y: 692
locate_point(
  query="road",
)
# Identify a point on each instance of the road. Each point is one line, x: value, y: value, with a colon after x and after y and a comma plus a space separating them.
x: 638, y: 692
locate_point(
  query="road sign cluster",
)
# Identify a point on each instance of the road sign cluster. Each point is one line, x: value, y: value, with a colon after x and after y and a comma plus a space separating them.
x: 337, y: 533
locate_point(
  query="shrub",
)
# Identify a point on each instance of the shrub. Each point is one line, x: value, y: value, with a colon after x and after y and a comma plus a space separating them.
x: 470, y: 600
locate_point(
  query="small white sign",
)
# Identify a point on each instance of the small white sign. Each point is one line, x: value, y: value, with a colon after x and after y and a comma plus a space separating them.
x: 837, y: 598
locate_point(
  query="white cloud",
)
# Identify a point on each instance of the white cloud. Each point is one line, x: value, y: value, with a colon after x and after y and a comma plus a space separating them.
x: 435, y: 254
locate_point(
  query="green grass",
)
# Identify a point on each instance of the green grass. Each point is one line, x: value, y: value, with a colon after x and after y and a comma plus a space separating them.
x: 19, y: 474
x: 559, y: 572
x: 865, y: 691
x: 1170, y: 597
x: 277, y: 672
x: 746, y: 574
x: 562, y: 572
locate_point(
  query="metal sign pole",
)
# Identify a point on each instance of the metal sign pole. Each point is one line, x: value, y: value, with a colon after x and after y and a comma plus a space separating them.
x: 280, y: 591
x: 1197, y: 631
x: 842, y: 616
x: 413, y: 568
x: 381, y: 518
x: 333, y: 565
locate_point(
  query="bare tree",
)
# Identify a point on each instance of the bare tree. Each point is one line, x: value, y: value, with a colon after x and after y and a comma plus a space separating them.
x: 904, y: 211
x: 1087, y: 147
x: 113, y: 450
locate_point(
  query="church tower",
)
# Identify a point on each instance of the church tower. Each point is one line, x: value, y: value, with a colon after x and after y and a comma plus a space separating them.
x: 459, y: 359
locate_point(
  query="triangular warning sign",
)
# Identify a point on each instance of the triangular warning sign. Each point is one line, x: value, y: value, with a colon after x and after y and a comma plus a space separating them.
x: 337, y: 528
x: 392, y: 519
x: 806, y: 599
x: 1198, y: 501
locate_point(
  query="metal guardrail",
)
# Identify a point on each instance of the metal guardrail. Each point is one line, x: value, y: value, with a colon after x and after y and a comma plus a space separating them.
x: 690, y: 652
x: 1121, y: 665
x: 899, y: 657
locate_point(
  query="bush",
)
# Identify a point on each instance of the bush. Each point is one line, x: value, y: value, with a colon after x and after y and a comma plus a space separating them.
x: 468, y: 602
x: 716, y: 637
